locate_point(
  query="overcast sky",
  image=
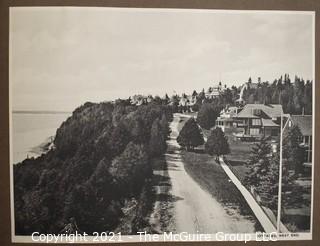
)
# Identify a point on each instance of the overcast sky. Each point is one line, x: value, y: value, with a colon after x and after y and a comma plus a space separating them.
x: 63, y: 57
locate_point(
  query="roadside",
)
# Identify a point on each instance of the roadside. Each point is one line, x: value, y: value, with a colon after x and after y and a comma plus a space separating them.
x: 152, y: 210
x: 294, y: 215
x: 161, y: 218
x: 211, y: 177
x: 196, y: 208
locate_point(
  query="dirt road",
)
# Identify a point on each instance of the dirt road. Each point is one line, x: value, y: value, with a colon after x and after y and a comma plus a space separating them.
x: 194, y: 209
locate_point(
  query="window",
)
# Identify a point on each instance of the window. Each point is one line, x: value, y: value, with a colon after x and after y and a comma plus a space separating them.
x: 306, y: 140
x: 254, y: 131
x: 308, y: 155
x: 256, y: 122
x: 274, y: 132
x: 257, y: 112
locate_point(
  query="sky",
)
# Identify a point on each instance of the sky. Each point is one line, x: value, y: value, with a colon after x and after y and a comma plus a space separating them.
x: 61, y: 57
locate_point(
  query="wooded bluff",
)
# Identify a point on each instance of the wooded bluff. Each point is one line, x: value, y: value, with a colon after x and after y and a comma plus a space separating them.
x: 101, y: 159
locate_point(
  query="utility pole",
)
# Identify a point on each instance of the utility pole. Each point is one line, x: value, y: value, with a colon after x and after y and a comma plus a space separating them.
x: 280, y: 173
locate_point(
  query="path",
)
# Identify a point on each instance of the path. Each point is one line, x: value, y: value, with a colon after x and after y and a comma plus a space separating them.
x: 195, y: 210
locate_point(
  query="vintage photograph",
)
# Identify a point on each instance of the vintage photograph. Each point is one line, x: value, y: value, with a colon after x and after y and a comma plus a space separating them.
x: 128, y: 120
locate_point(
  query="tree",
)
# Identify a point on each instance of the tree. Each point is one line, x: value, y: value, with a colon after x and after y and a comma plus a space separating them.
x: 157, y: 143
x: 129, y: 169
x: 165, y: 126
x: 118, y: 112
x: 259, y: 163
x: 119, y: 139
x: 157, y: 100
x: 175, y: 103
x: 138, y: 130
x: 292, y: 151
x: 227, y: 97
x: 201, y: 96
x: 292, y: 193
x: 251, y: 98
x: 194, y: 93
x: 207, y: 115
x: 217, y: 143
x: 190, y: 135
x: 307, y: 97
x: 166, y: 99
x: 269, y: 185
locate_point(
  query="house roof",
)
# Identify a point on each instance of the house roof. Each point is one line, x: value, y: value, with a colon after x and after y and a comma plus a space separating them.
x: 304, y: 122
x: 272, y: 110
x: 269, y: 123
x: 225, y: 119
x: 253, y: 85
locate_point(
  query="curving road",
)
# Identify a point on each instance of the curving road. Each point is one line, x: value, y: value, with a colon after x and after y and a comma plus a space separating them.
x: 195, y: 210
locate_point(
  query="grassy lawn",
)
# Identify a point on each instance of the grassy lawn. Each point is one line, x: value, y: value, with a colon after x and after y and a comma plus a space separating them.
x: 239, y: 150
x: 239, y: 154
x: 238, y: 157
x: 211, y: 177
x: 295, y: 219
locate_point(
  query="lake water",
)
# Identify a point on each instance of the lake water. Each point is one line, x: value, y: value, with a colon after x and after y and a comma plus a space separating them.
x: 30, y: 130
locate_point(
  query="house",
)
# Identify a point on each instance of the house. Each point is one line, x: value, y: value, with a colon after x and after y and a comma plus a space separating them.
x: 304, y: 122
x: 226, y: 118
x: 186, y: 102
x: 137, y: 100
x: 257, y: 120
x: 215, y: 91
x: 140, y: 99
x: 192, y: 100
x: 149, y: 99
x: 183, y: 101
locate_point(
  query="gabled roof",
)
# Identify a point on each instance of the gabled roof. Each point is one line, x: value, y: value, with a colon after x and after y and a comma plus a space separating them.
x: 269, y: 123
x: 304, y: 122
x: 271, y: 110
x: 253, y: 85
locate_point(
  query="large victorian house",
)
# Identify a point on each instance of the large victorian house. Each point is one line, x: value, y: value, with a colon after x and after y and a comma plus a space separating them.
x: 257, y: 120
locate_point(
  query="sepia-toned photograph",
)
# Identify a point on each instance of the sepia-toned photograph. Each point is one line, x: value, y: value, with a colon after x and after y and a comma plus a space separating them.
x: 136, y: 124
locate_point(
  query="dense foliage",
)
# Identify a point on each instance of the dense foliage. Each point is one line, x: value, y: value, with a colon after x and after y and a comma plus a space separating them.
x: 217, y: 143
x: 101, y: 160
x: 292, y: 151
x: 295, y: 96
x: 207, y: 115
x: 263, y: 173
x: 190, y: 135
x: 259, y: 162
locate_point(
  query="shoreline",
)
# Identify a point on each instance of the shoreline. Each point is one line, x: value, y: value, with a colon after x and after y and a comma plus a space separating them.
x: 33, y: 133
x: 38, y: 150
x: 43, y: 147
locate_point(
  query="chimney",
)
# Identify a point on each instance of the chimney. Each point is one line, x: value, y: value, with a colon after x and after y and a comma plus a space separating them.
x: 303, y: 111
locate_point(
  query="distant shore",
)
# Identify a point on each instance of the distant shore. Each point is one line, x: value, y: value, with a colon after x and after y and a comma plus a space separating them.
x: 33, y: 132
x: 43, y: 147
x: 39, y: 112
